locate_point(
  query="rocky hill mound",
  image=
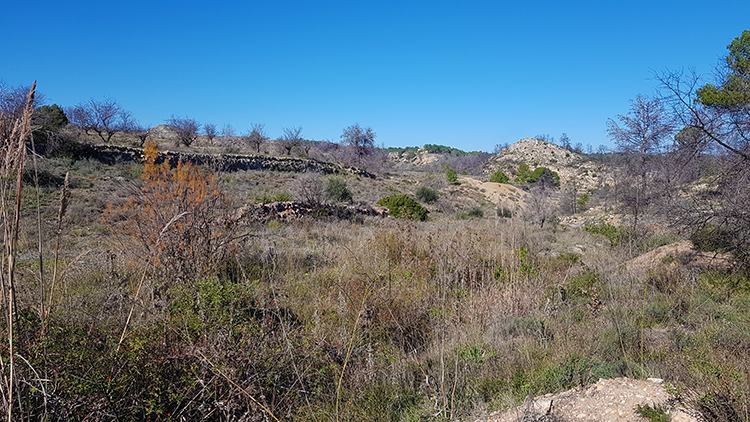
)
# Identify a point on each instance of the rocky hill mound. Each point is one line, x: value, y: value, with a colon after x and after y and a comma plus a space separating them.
x: 572, y: 167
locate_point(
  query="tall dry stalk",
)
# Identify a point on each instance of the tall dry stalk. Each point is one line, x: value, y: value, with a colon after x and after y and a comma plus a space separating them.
x: 64, y: 196
x: 13, y: 155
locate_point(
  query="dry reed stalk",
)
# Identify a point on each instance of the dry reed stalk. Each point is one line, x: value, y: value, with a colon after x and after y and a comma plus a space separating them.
x: 13, y: 165
x: 64, y: 197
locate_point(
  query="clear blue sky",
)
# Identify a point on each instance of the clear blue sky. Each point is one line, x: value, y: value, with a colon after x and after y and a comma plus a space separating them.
x: 462, y: 73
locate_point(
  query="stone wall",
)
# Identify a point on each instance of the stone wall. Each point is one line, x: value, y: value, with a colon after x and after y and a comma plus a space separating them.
x: 112, y: 154
x: 289, y: 211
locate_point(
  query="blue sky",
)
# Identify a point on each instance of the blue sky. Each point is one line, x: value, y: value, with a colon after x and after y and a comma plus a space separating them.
x: 469, y: 74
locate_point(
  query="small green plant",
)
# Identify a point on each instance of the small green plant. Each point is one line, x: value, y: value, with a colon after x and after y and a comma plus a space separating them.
x: 267, y: 198
x: 583, y: 199
x: 427, y: 195
x: 652, y: 413
x: 451, y: 175
x: 403, y: 206
x: 500, y: 274
x: 582, y: 285
x: 615, y: 234
x: 499, y: 177
x: 337, y: 190
x: 474, y: 212
x: 711, y: 238
x: 525, y: 266
x: 476, y: 354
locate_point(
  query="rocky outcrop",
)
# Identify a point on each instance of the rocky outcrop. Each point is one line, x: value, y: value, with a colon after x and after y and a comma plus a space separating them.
x: 608, y: 400
x: 112, y: 154
x: 290, y: 211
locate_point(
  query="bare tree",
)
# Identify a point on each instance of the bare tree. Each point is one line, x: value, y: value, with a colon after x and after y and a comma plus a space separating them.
x: 565, y: 142
x: 131, y: 126
x: 541, y: 207
x: 291, y: 139
x: 209, y: 129
x: 257, y: 136
x: 103, y: 117
x: 640, y: 136
x: 227, y: 131
x: 714, y: 119
x: 360, y: 140
x: 185, y: 128
x: 309, y: 189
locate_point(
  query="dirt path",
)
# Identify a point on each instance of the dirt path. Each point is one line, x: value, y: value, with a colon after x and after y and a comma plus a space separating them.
x: 608, y: 400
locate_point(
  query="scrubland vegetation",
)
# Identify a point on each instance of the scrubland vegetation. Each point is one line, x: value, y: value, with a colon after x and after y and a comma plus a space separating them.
x: 143, y: 291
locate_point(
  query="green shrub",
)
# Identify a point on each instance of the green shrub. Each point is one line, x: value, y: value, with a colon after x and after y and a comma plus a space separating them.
x: 711, y: 238
x: 403, y: 206
x: 427, y: 195
x: 49, y: 117
x: 475, y: 354
x: 652, y: 413
x: 615, y: 234
x: 267, y: 198
x: 451, y: 175
x: 524, y: 174
x: 337, y: 190
x: 582, y: 285
x: 499, y: 177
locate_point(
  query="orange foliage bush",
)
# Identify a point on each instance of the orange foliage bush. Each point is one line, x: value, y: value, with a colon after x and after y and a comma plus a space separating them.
x: 178, y: 216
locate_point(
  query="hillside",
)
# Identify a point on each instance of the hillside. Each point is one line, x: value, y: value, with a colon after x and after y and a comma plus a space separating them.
x: 572, y: 167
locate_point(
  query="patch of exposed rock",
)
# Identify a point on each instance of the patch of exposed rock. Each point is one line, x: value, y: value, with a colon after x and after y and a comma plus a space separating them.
x: 608, y: 400
x: 572, y: 167
x: 291, y: 210
x: 113, y: 154
x: 676, y: 254
x: 421, y: 157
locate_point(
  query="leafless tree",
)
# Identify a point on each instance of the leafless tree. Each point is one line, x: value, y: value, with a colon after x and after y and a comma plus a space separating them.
x: 257, y: 136
x: 541, y: 207
x: 309, y: 189
x: 209, y: 129
x: 565, y: 142
x: 185, y: 128
x: 103, y: 117
x: 725, y: 128
x: 291, y: 139
x: 227, y: 131
x: 500, y: 148
x: 138, y: 130
x: 13, y: 103
x: 360, y: 140
x: 640, y: 136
